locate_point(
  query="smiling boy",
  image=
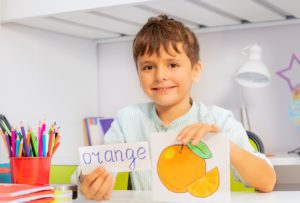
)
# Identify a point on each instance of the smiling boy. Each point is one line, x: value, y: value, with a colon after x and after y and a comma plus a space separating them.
x: 166, y: 54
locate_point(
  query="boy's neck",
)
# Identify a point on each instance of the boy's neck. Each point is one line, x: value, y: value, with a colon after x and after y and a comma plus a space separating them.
x: 171, y: 113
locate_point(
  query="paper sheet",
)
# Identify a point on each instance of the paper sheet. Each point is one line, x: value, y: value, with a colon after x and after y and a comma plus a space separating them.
x: 180, y: 175
x: 115, y: 157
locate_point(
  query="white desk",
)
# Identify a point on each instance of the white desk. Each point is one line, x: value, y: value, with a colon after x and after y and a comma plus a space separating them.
x: 285, y: 159
x: 287, y: 167
x: 236, y: 197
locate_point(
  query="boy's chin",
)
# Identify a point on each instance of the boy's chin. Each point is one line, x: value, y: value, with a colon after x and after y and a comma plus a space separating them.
x: 165, y: 103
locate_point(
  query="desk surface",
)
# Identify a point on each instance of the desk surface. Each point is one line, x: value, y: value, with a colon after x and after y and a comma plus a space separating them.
x: 236, y: 197
x: 279, y: 159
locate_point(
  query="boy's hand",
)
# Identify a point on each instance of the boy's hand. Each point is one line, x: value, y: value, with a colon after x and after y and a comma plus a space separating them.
x: 97, y: 185
x: 196, y: 132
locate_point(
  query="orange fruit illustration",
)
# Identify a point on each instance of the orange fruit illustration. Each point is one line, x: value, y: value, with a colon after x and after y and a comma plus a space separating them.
x: 178, y: 167
x: 205, y: 185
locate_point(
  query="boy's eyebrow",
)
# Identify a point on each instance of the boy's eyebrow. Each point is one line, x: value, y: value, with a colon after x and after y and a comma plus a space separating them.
x: 146, y: 61
x: 153, y: 61
x: 169, y: 59
x: 173, y: 59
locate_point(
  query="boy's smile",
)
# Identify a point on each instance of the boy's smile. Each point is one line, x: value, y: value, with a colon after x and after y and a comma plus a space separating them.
x: 167, y: 78
x: 163, y: 89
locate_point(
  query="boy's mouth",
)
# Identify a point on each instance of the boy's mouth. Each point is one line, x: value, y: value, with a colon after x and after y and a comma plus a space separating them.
x: 162, y: 89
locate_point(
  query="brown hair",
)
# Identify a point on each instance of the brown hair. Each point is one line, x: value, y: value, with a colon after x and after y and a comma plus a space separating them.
x: 165, y: 31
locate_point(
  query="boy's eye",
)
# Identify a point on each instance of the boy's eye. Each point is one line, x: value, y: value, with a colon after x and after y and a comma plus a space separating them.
x: 148, y: 67
x: 173, y: 65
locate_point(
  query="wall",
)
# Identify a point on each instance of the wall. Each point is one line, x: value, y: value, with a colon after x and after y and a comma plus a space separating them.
x: 221, y: 56
x: 48, y: 76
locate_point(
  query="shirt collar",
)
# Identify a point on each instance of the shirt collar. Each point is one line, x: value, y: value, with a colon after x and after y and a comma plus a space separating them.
x: 158, y: 123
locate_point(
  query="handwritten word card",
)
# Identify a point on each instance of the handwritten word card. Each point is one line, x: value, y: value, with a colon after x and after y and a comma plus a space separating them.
x: 115, y: 157
x: 188, y: 173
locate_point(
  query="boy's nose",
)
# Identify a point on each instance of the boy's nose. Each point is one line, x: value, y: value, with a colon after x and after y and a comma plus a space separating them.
x: 161, y: 74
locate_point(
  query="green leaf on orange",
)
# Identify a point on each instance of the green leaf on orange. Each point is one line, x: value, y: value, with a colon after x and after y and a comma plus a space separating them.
x: 200, y: 150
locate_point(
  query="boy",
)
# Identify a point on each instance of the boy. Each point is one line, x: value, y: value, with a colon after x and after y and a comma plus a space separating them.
x: 166, y: 54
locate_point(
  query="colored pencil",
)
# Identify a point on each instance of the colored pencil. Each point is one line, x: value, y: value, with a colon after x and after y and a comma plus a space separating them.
x: 17, y: 146
x: 20, y: 148
x: 13, y: 142
x: 20, y: 144
x: 24, y: 140
x: 55, y: 148
x: 44, y: 145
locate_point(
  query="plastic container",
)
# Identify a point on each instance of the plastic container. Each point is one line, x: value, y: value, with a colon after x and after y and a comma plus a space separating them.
x: 30, y: 170
x: 65, y: 192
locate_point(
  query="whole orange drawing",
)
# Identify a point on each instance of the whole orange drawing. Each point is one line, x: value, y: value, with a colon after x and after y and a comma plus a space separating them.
x: 182, y: 168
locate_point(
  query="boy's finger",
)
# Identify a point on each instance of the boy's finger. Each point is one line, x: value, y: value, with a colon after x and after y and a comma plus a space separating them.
x: 188, y: 132
x: 107, y: 195
x: 199, y: 135
x: 189, y: 135
x: 215, y: 128
x: 88, y: 180
x: 185, y: 131
x: 98, y: 183
x: 104, y: 187
x: 201, y: 132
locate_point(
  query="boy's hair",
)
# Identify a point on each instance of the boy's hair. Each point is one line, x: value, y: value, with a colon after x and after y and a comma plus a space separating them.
x: 166, y: 32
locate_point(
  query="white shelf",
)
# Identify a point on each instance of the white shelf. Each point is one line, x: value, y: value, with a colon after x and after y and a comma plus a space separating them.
x: 103, y: 20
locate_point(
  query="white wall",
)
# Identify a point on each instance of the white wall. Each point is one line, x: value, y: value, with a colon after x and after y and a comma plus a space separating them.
x: 118, y: 82
x: 221, y: 56
x: 48, y: 76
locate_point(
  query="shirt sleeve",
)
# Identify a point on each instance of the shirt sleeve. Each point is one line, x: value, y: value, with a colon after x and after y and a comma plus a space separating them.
x: 75, y: 176
x: 238, y: 135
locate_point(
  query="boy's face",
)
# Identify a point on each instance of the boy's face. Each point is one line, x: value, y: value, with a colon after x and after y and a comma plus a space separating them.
x: 167, y: 79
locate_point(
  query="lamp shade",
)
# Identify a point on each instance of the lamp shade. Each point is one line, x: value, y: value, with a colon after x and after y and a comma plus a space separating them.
x: 253, y: 73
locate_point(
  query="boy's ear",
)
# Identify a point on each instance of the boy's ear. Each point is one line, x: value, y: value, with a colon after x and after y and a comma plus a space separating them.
x: 197, y: 71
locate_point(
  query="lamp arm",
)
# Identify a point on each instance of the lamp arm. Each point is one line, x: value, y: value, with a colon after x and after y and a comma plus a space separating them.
x: 245, y: 120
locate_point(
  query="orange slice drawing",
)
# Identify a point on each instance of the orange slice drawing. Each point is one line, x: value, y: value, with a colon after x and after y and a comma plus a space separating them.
x: 205, y: 185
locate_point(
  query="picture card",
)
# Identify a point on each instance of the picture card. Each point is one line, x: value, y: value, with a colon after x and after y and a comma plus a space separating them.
x: 188, y: 173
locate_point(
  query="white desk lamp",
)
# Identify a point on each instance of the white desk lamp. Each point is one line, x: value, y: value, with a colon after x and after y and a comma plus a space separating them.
x: 253, y: 74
